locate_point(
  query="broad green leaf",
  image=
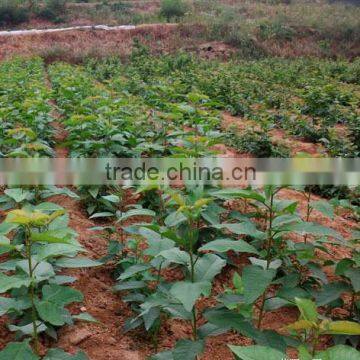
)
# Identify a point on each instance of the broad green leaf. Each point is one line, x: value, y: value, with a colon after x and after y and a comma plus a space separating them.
x: 324, y: 207
x: 256, y: 352
x: 301, y: 325
x: 135, y: 212
x: 310, y: 228
x: 330, y: 292
x: 174, y: 219
x: 111, y: 198
x: 18, y: 351
x: 13, y: 282
x: 256, y: 280
x: 176, y: 256
x: 165, y: 355
x: 207, y: 267
x: 224, y: 245
x: 339, y: 352
x: 307, y: 309
x: 85, y: 317
x: 101, y: 215
x: 53, y: 237
x: 133, y: 270
x: 59, y: 354
x: 48, y: 206
x: 304, y: 353
x: 275, y: 264
x: 18, y: 194
x: 187, y: 292
x: 55, y: 297
x: 188, y: 349
x: 7, y: 304
x: 130, y: 285
x: 28, y: 329
x: 156, y: 246
x: 78, y: 262
x: 227, y: 194
x: 245, y: 228
x: 354, y: 275
x: 287, y: 219
x: 55, y: 250
x: 341, y: 328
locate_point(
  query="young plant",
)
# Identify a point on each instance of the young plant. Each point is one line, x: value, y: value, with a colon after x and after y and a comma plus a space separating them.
x: 42, y: 243
x: 311, y: 326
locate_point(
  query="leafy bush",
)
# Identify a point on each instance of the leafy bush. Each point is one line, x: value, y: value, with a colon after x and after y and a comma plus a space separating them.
x: 12, y: 13
x: 171, y: 9
x: 54, y: 10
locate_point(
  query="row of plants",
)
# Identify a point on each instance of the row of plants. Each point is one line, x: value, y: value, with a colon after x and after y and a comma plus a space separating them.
x: 199, y: 232
x: 24, y: 110
x: 306, y: 98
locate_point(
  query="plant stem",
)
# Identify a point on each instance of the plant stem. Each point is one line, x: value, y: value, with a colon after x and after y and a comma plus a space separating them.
x: 192, y: 277
x: 268, y: 254
x: 32, y: 291
x: 308, y: 212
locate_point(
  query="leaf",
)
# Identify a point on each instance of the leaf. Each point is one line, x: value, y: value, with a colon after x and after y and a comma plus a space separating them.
x: 85, y: 317
x: 7, y: 304
x: 78, y: 262
x: 324, y: 207
x: 187, y: 292
x: 224, y: 245
x: 354, y: 275
x: 330, y: 292
x: 13, y: 282
x: 275, y: 264
x: 18, y: 351
x: 111, y: 198
x: 150, y: 316
x: 257, y: 352
x: 101, y: 215
x: 339, y: 352
x: 18, y: 194
x: 133, y: 270
x: 130, y: 285
x: 55, y: 297
x: 342, y: 328
x: 310, y: 228
x: 176, y: 256
x: 188, y: 349
x: 165, y: 355
x: 304, y: 353
x: 300, y: 325
x: 227, y: 194
x: 28, y: 329
x: 245, y: 228
x: 53, y: 237
x: 59, y: 354
x: 55, y: 250
x: 207, y: 267
x: 255, y: 281
x: 174, y: 219
x: 136, y: 212
x: 307, y: 309
x: 156, y: 246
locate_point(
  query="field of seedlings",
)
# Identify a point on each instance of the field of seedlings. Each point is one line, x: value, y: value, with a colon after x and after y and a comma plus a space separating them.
x: 180, y: 272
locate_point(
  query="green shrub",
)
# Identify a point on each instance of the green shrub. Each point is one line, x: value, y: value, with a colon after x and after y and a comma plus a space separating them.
x: 54, y: 10
x: 12, y: 13
x: 173, y: 9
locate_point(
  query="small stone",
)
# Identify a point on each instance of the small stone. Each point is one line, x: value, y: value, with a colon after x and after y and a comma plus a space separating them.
x: 83, y: 309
